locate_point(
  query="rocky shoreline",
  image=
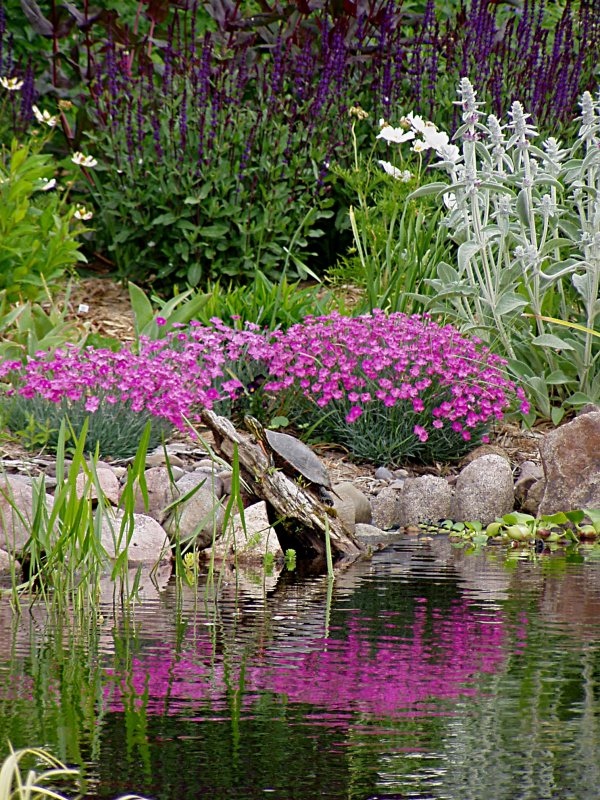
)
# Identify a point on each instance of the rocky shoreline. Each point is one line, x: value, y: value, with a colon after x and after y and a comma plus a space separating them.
x: 373, y: 503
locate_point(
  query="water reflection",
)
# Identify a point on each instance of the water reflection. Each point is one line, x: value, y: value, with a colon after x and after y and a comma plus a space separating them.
x: 424, y: 672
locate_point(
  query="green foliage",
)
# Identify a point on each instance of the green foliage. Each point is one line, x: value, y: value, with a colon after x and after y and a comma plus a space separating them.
x: 521, y: 530
x: 173, y: 220
x: 155, y: 323
x: 38, y: 241
x: 114, y: 430
x: 28, y: 327
x: 267, y: 303
x: 385, y: 435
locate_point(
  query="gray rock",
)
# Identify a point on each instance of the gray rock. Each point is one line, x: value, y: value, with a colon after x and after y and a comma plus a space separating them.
x: 344, y: 508
x: 225, y: 476
x: 109, y: 484
x: 200, y: 476
x: 5, y: 561
x: 401, y: 473
x: 199, y: 517
x: 384, y: 474
x: 571, y: 461
x: 258, y: 538
x: 397, y: 483
x: 426, y: 498
x: 531, y: 503
x: 161, y: 492
x: 529, y: 485
x: 16, y: 511
x: 483, y: 490
x: 157, y: 459
x: 362, y: 506
x: 370, y: 534
x: 148, y: 543
x: 385, y: 508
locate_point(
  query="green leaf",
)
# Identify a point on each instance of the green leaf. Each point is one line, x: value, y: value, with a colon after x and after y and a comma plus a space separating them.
x: 165, y: 219
x: 509, y: 302
x: 523, y: 207
x: 215, y: 231
x: 556, y: 414
x: 550, y: 340
x: 142, y: 308
x: 429, y: 188
x: 557, y: 378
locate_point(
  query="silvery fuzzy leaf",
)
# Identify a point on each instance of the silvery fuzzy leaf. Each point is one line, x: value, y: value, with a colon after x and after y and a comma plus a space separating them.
x: 510, y: 302
x: 552, y: 341
x: 523, y: 207
x: 465, y: 253
x: 584, y: 284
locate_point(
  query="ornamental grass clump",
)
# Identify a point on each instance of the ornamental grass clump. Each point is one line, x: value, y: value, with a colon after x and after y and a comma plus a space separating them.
x: 392, y: 387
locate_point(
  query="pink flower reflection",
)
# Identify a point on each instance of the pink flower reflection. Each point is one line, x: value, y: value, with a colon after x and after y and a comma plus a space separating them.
x: 441, y: 658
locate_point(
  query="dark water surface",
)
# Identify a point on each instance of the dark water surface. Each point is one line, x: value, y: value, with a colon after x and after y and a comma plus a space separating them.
x: 423, y: 673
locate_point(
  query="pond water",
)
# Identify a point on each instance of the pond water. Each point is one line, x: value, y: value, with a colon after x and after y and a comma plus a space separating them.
x: 424, y: 672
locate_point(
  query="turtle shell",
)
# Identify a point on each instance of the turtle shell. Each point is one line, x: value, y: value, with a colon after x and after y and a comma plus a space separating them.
x: 299, y: 457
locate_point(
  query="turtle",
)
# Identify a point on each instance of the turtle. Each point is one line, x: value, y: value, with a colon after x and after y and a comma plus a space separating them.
x: 293, y: 456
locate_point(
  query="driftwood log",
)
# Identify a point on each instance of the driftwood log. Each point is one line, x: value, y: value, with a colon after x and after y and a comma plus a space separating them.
x: 299, y: 518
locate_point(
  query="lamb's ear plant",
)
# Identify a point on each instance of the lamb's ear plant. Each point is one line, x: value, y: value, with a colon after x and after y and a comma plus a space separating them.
x: 525, y: 217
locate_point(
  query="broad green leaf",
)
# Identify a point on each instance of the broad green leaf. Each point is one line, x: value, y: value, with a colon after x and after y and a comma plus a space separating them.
x: 557, y: 378
x: 510, y: 302
x: 215, y: 231
x: 550, y: 340
x: 429, y: 188
x: 165, y: 219
x: 142, y: 307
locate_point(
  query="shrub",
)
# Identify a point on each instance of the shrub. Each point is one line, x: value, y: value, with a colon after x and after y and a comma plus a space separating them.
x: 38, y: 231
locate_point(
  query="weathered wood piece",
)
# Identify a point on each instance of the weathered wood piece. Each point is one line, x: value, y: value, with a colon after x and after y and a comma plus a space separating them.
x: 301, y: 519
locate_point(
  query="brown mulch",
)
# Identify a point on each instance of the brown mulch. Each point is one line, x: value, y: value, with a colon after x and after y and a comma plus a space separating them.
x: 100, y: 306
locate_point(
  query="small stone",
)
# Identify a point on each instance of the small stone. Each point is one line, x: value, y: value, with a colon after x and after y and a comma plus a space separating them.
x: 401, y: 473
x: 427, y: 498
x: 109, y: 485
x: 161, y: 492
x: 258, y: 538
x: 148, y: 544
x: 384, y: 474
x: 226, y: 476
x: 483, y: 490
x: 385, y: 508
x: 5, y: 562
x: 157, y: 459
x: 370, y: 534
x: 200, y: 517
x: 16, y: 503
x: 398, y: 483
x: 362, y: 506
x: 529, y: 473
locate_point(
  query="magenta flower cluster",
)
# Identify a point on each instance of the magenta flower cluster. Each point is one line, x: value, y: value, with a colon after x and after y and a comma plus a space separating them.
x: 435, y: 375
x: 387, y: 359
x: 171, y: 378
